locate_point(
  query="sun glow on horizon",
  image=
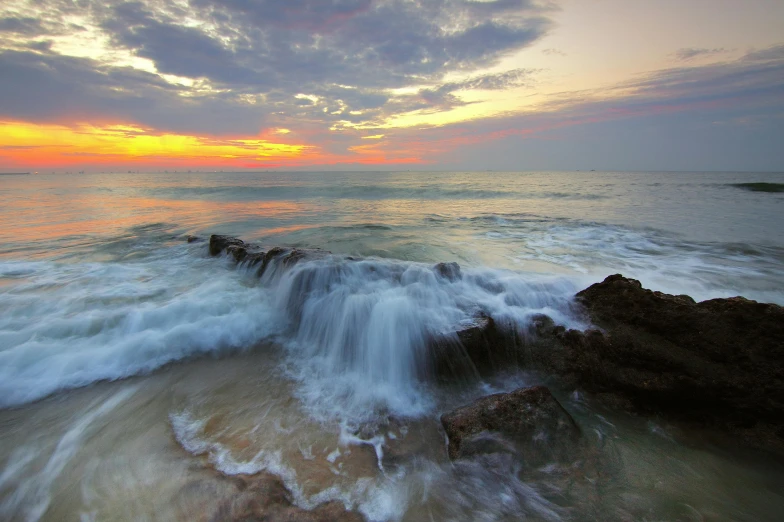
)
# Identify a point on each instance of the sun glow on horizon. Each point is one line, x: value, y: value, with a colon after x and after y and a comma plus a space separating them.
x: 54, y: 146
x: 48, y: 145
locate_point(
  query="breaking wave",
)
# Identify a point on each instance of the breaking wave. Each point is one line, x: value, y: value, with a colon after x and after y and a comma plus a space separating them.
x: 358, y: 329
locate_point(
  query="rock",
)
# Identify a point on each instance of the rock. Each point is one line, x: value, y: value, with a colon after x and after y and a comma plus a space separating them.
x: 528, y: 419
x: 253, y: 259
x: 450, y: 271
x: 278, y: 256
x: 474, y: 348
x: 485, y: 443
x: 237, y: 252
x: 734, y: 330
x: 193, y: 239
x: 287, y: 257
x: 220, y: 243
x: 717, y: 363
x: 264, y: 497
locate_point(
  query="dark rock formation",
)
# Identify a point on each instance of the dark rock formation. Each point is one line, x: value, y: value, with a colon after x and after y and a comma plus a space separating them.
x: 239, y: 253
x: 475, y: 348
x: 528, y: 420
x: 264, y: 497
x: 244, y: 253
x: 288, y: 257
x: 717, y: 363
x: 193, y: 239
x: 220, y: 243
x: 450, y: 271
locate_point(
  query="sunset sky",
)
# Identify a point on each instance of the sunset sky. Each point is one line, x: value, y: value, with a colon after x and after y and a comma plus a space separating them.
x: 391, y: 84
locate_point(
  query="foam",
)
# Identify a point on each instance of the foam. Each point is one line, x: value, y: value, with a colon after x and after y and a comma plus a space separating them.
x: 68, y: 325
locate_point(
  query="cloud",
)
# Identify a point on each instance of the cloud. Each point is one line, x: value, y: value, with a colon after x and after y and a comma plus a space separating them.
x: 22, y: 26
x: 271, y: 44
x: 689, y: 53
x: 327, y: 68
x: 762, y: 55
x: 252, y: 62
x: 442, y: 96
x: 54, y: 88
x: 750, y: 88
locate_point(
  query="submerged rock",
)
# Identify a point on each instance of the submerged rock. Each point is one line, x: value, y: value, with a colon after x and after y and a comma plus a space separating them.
x: 716, y: 363
x: 528, y: 420
x: 193, y: 239
x: 450, y: 271
x: 264, y: 497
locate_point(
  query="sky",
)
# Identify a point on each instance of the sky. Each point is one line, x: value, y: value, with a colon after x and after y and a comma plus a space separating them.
x: 102, y: 85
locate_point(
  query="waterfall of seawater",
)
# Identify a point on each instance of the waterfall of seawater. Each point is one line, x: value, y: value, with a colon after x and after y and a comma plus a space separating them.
x: 362, y: 333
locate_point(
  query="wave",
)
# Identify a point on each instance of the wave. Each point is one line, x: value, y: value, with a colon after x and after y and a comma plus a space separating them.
x: 357, y: 332
x: 591, y: 251
x: 361, y: 331
x: 68, y: 325
x: 356, y: 329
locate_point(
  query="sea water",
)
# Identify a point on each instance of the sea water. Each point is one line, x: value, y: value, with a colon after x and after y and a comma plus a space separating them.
x: 319, y: 374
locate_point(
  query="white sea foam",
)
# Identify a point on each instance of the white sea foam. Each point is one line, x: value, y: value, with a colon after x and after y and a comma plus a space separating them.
x: 361, y: 332
x: 662, y: 262
x: 379, y: 499
x: 358, y: 332
x: 68, y: 325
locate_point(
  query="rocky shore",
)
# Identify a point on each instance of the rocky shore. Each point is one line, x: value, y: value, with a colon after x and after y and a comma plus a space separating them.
x: 716, y: 364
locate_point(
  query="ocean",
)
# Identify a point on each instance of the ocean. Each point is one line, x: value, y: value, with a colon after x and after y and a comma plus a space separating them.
x: 137, y: 371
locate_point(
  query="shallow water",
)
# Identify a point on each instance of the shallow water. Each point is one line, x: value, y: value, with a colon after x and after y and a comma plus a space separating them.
x: 321, y: 374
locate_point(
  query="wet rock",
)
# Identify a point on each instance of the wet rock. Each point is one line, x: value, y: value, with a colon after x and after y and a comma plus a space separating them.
x: 277, y: 256
x: 264, y: 497
x: 239, y: 253
x: 717, y: 363
x: 529, y: 420
x: 450, y: 271
x: 478, y: 347
x: 287, y: 257
x: 485, y: 443
x: 193, y: 239
x: 220, y: 243
x: 253, y: 259
x: 475, y: 347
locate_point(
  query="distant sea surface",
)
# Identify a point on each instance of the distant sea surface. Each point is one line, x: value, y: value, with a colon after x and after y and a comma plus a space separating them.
x: 98, y: 283
x: 708, y: 234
